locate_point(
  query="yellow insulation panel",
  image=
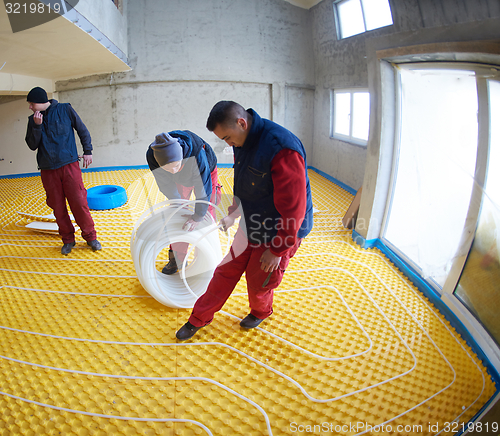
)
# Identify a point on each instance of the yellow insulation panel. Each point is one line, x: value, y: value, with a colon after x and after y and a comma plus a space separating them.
x: 352, y: 347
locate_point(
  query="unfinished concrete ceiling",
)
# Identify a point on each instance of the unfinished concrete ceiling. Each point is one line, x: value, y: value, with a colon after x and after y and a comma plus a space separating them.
x: 59, y: 50
x: 55, y: 50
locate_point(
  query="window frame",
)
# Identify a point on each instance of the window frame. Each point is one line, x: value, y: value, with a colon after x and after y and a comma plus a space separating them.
x: 483, y: 72
x: 339, y: 136
x: 338, y: 21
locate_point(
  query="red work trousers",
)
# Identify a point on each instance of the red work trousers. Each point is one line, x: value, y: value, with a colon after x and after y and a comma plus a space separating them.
x: 180, y: 248
x: 63, y: 184
x: 242, y: 258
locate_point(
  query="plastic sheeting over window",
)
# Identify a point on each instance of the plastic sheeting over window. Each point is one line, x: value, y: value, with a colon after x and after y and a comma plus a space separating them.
x: 434, y: 174
x: 479, y: 286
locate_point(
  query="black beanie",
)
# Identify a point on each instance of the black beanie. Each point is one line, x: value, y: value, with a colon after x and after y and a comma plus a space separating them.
x: 37, y: 95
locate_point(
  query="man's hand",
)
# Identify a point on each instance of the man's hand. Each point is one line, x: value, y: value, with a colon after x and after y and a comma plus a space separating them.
x: 227, y: 222
x: 190, y: 223
x: 38, y: 117
x: 269, y: 262
x: 87, y: 160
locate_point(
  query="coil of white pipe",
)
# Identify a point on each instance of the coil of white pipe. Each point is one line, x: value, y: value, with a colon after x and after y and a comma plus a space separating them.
x: 155, y: 230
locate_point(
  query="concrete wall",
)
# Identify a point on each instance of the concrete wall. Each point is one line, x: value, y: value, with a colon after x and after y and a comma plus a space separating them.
x: 343, y: 64
x: 106, y: 17
x: 299, y: 103
x: 124, y: 119
x: 188, y: 54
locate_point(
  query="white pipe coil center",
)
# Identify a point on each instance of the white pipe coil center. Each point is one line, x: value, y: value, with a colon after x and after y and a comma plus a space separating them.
x: 155, y: 230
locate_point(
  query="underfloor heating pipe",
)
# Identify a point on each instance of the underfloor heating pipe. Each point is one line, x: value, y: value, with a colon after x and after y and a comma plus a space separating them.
x: 160, y: 226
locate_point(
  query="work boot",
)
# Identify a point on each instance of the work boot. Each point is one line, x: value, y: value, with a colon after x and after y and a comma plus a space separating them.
x: 95, y: 244
x: 66, y: 248
x: 171, y: 267
x: 186, y: 332
x: 250, y: 321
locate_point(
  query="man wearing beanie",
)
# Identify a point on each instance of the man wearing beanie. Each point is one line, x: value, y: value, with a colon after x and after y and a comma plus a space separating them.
x: 181, y: 162
x: 51, y: 132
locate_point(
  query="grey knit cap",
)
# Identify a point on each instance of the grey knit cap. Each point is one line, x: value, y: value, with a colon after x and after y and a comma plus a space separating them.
x: 166, y: 149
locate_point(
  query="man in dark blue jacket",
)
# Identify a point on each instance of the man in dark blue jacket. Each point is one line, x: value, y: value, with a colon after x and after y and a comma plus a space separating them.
x: 273, y: 194
x: 50, y: 132
x: 181, y: 162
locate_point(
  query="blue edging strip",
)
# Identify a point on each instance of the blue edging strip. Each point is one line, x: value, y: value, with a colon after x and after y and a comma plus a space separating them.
x: 145, y: 167
x: 19, y: 176
x: 333, y: 179
x: 93, y: 170
x: 84, y: 170
x: 140, y: 167
x: 362, y: 242
x: 134, y: 167
x: 433, y: 297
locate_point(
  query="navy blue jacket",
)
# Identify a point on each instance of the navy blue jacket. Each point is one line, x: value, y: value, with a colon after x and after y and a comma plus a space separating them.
x: 199, y: 162
x: 55, y: 138
x: 253, y: 183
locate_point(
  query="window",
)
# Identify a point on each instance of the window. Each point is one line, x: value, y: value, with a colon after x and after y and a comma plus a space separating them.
x: 358, y: 16
x: 435, y: 166
x: 350, y: 115
x: 443, y: 211
x: 478, y: 285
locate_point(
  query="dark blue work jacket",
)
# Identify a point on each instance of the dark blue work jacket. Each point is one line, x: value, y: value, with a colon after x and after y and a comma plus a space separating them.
x: 55, y: 138
x: 199, y: 160
x: 253, y: 184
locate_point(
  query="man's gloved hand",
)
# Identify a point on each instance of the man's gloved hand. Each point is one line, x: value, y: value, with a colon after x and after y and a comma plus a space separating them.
x: 190, y: 223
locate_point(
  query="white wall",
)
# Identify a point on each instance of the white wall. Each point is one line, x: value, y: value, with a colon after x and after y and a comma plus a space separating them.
x: 17, y: 157
x: 123, y: 119
x: 186, y: 56
x: 339, y: 64
x: 299, y: 106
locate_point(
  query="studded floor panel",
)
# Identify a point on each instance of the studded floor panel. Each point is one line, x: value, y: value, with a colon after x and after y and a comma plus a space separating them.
x: 352, y: 347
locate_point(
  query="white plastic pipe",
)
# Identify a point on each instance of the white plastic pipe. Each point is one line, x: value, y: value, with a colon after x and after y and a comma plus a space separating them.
x: 155, y: 230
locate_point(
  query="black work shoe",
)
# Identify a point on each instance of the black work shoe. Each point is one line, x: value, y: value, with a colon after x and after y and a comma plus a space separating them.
x: 187, y: 331
x: 66, y: 248
x: 171, y: 267
x: 95, y: 244
x: 250, y: 321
